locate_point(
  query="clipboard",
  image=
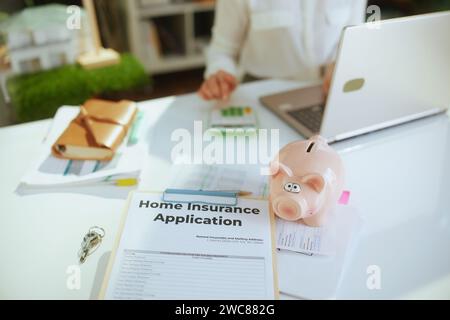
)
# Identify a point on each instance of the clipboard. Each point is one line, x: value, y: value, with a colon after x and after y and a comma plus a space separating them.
x: 164, y: 195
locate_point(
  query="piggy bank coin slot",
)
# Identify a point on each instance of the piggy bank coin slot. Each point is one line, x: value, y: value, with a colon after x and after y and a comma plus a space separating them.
x: 311, y: 145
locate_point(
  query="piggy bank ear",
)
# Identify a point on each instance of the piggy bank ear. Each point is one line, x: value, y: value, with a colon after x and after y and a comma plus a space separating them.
x: 315, y: 181
x: 277, y: 167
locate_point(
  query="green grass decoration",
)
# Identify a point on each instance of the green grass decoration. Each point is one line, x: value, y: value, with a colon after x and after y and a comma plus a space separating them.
x: 38, y: 95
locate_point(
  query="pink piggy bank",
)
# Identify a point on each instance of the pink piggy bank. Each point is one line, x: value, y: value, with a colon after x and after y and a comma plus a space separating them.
x: 306, y: 182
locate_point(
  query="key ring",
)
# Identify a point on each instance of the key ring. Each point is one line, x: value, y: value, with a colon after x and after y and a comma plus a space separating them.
x: 99, y: 230
x: 91, y: 242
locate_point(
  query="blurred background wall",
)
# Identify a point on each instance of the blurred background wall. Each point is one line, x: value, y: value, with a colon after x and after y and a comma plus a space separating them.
x: 169, y: 36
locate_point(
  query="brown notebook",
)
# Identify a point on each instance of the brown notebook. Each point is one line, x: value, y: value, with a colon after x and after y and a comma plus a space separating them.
x: 97, y: 131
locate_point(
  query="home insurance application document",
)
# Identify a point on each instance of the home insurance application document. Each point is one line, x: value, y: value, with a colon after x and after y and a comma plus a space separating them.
x: 188, y: 250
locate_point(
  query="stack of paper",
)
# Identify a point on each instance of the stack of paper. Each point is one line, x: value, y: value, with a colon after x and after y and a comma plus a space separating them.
x: 50, y: 172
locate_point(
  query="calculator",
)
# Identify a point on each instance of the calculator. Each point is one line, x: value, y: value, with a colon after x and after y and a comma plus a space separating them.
x: 233, y: 117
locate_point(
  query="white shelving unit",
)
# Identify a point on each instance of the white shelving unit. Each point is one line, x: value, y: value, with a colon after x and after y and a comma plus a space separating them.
x: 183, y: 18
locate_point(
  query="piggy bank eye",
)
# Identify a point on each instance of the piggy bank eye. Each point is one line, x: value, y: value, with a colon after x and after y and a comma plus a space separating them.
x: 288, y: 187
x: 295, y: 188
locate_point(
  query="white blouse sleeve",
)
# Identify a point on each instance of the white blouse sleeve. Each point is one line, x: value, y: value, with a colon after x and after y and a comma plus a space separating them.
x: 228, y: 35
x: 358, y: 15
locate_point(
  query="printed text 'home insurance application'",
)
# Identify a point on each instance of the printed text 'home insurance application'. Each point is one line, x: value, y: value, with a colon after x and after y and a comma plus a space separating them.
x: 189, y: 250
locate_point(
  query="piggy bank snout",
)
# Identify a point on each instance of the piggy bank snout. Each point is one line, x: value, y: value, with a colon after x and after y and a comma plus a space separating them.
x: 288, y: 208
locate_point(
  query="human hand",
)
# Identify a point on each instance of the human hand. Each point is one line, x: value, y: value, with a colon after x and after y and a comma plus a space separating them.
x: 218, y: 86
x: 327, y: 78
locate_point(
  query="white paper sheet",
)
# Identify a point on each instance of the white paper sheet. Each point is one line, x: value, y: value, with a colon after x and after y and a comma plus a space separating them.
x: 318, y: 276
x: 221, y: 177
x: 187, y: 259
x: 298, y: 237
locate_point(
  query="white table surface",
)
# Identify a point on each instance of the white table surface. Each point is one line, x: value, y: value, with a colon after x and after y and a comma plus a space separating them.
x: 399, y: 180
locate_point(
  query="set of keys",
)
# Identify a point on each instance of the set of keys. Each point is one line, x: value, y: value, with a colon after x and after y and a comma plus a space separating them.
x: 91, y: 241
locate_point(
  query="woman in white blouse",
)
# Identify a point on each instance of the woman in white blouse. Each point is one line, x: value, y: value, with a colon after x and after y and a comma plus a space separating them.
x: 289, y: 39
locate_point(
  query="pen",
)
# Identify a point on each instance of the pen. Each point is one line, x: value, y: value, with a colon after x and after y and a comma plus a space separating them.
x: 239, y: 193
x: 244, y: 193
x: 134, y: 132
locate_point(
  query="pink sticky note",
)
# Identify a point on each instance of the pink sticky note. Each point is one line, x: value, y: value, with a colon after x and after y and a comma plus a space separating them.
x: 345, y: 197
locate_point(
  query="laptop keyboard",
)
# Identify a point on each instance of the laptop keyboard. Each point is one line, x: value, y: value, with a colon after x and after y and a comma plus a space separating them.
x: 310, y: 117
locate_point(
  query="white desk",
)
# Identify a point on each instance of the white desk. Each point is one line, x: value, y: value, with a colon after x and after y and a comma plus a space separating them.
x: 399, y: 179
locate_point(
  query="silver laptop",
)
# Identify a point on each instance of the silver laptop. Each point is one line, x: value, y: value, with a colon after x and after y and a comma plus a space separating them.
x: 386, y: 74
